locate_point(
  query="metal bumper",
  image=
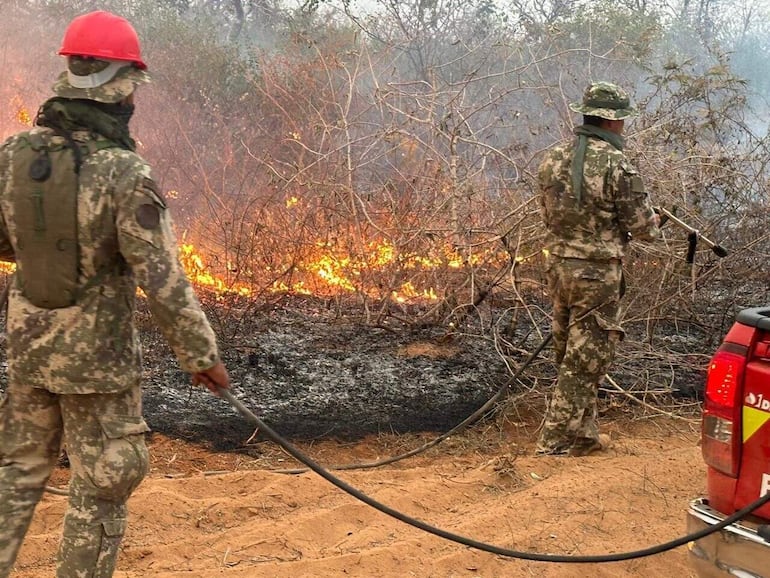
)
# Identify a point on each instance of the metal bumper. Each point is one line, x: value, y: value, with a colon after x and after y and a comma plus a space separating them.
x: 735, y: 551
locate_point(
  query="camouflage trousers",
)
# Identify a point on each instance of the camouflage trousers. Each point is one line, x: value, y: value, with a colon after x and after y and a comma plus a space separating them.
x: 104, y: 437
x: 586, y: 296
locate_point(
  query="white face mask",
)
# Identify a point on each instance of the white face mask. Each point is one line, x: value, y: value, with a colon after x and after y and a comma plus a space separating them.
x: 96, y: 79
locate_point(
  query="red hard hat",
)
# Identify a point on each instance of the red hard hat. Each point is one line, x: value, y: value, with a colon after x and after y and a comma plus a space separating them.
x: 104, y: 36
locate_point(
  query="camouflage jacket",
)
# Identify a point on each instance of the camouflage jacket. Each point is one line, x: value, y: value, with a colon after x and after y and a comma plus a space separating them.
x: 125, y: 239
x: 613, y: 203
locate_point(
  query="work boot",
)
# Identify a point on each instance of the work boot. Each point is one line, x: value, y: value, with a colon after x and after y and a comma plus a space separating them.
x: 560, y: 450
x: 601, y: 444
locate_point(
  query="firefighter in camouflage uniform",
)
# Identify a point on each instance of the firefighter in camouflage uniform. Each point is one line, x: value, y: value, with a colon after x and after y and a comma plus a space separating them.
x: 86, y: 224
x: 592, y: 202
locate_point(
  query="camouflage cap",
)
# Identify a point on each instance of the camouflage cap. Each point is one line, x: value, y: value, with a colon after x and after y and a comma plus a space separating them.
x: 107, y: 81
x: 605, y: 100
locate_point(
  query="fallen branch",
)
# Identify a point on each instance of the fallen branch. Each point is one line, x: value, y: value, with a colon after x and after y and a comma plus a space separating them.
x: 632, y: 397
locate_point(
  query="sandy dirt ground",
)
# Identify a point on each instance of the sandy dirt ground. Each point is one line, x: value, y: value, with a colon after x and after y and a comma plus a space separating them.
x: 205, y: 514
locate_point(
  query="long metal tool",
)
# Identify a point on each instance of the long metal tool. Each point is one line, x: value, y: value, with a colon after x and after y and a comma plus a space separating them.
x: 719, y: 251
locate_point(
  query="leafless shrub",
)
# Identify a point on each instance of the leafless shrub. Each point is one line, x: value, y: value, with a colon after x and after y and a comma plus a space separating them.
x: 389, y: 163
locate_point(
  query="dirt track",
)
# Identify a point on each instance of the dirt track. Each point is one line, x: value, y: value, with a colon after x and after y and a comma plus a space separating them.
x: 191, y: 519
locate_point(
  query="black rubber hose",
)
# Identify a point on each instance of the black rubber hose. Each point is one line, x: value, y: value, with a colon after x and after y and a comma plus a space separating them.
x: 344, y: 486
x: 488, y: 406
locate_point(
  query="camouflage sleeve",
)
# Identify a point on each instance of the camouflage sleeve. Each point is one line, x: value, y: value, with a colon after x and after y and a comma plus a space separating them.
x: 635, y: 212
x: 6, y: 249
x: 148, y: 243
x: 542, y: 190
x: 548, y: 186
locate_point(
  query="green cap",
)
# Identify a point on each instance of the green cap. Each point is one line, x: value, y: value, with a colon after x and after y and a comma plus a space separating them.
x: 107, y: 81
x: 605, y: 100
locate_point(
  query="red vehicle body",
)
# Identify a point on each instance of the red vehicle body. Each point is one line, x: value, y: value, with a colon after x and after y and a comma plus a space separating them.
x: 736, y: 449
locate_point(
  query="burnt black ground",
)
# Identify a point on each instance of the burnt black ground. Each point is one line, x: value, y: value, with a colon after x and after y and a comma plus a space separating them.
x: 314, y: 374
x: 311, y: 378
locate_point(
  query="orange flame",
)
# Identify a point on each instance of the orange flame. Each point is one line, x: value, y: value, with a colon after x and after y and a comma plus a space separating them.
x: 196, y: 270
x: 331, y: 272
x: 22, y: 114
x: 335, y: 272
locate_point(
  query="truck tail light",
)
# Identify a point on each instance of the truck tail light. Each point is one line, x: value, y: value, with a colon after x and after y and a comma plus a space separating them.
x: 721, y: 434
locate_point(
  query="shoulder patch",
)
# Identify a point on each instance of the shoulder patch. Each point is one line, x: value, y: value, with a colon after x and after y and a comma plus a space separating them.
x: 637, y: 184
x: 632, y: 177
x: 148, y: 216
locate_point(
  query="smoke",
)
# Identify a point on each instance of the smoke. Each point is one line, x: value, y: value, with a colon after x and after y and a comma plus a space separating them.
x: 30, y: 64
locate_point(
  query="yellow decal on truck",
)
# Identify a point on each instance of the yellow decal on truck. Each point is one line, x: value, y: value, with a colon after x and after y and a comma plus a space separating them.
x: 753, y: 419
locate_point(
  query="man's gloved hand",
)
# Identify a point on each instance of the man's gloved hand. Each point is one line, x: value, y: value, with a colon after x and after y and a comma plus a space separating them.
x: 661, y: 215
x: 214, y: 378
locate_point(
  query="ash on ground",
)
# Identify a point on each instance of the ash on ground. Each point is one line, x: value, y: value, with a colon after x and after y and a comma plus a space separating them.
x: 309, y: 378
x: 309, y: 374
